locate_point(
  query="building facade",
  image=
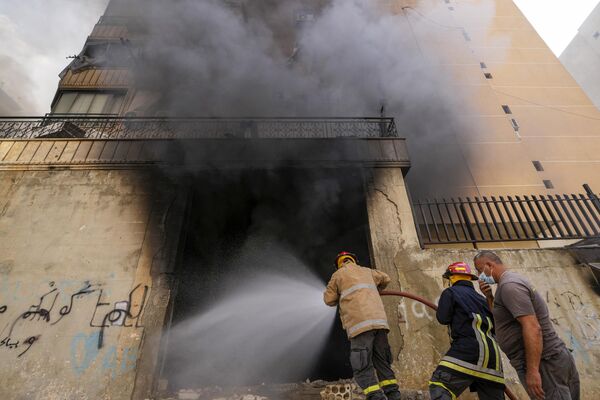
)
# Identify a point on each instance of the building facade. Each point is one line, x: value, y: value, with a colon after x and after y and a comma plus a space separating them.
x: 582, y: 55
x: 115, y: 216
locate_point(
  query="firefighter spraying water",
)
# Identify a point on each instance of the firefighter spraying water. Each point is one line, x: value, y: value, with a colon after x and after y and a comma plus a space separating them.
x: 356, y: 290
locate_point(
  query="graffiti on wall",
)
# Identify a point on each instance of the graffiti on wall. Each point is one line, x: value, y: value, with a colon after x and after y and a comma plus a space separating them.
x: 577, y: 320
x: 419, y: 311
x: 85, y: 353
x: 24, y: 326
x: 584, y: 314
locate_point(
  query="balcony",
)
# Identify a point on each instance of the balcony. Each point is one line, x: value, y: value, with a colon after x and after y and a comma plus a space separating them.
x: 96, y: 78
x: 110, y: 127
x: 66, y: 141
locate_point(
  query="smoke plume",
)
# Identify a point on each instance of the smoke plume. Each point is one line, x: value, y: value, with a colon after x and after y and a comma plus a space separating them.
x: 329, y: 58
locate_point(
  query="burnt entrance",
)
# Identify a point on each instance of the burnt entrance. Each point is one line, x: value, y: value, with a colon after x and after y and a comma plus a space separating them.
x: 246, y: 224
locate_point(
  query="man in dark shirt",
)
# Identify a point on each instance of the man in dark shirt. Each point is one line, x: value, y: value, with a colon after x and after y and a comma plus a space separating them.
x: 525, y: 333
x: 473, y: 359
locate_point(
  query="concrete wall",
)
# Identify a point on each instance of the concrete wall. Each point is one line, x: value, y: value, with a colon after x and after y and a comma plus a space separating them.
x: 558, y: 124
x: 582, y: 56
x: 419, y: 341
x: 83, y: 256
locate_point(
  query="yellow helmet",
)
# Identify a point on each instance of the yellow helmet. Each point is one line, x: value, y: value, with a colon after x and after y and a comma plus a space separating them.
x: 341, y: 258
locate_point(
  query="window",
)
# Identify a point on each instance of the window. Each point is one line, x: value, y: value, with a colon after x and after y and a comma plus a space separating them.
x: 88, y: 103
x: 487, y: 75
x: 103, y: 54
x: 548, y: 184
x: 538, y: 166
x: 483, y: 65
x: 514, y: 124
x: 506, y: 109
x: 304, y: 16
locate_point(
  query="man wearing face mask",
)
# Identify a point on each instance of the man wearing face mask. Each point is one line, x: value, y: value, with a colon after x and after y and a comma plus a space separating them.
x: 525, y: 332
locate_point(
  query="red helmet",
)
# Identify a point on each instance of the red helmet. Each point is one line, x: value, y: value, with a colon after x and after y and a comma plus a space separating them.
x: 344, y: 255
x: 459, y: 268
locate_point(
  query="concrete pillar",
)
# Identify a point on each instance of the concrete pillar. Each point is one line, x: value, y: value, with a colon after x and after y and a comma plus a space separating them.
x: 415, y: 336
x: 155, y: 269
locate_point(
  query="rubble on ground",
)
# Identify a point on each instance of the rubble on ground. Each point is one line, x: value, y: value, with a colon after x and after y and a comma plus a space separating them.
x: 344, y: 389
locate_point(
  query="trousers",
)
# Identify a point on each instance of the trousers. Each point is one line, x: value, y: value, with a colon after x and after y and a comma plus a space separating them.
x: 560, y: 379
x: 444, y: 385
x: 371, y: 361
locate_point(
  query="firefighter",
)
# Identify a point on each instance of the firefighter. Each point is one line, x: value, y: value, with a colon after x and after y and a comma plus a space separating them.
x: 473, y: 360
x: 356, y: 290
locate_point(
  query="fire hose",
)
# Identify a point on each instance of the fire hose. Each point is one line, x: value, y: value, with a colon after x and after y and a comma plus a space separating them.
x: 431, y: 305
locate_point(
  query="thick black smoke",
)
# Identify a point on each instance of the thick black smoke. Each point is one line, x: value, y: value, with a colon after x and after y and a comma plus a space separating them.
x: 330, y: 58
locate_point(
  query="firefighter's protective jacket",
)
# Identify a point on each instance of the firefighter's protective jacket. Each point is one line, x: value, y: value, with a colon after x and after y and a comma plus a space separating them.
x: 356, y: 289
x: 474, y: 351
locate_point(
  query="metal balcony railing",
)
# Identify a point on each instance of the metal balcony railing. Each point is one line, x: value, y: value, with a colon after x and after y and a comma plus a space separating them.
x: 508, y: 218
x: 111, y: 127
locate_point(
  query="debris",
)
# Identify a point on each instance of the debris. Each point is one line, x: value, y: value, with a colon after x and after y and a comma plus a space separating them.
x: 188, y: 394
x: 339, y: 392
x: 344, y: 389
x: 252, y: 397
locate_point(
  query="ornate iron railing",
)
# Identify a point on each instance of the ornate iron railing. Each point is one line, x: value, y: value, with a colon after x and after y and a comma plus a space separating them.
x: 110, y: 127
x: 508, y: 218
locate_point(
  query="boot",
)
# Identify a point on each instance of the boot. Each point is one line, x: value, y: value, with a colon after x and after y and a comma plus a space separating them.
x: 392, y: 392
x: 376, y: 395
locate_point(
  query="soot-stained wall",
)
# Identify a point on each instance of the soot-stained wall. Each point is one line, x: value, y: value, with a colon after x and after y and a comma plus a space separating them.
x: 81, y: 252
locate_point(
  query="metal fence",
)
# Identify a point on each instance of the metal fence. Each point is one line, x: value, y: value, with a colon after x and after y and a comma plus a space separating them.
x: 111, y: 127
x: 508, y: 218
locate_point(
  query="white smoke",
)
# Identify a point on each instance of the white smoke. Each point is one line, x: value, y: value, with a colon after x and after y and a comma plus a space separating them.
x: 269, y: 324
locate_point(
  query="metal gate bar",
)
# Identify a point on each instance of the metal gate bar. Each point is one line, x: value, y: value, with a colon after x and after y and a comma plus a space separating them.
x: 530, y: 217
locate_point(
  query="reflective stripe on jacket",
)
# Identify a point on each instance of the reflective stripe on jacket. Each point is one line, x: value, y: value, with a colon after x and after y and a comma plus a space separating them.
x: 473, y: 351
x: 356, y: 289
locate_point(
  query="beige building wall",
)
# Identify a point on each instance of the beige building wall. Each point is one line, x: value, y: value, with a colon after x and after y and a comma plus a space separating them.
x: 554, y: 121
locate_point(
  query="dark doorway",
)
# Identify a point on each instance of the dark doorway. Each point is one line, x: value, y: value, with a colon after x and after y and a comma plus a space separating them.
x: 312, y: 213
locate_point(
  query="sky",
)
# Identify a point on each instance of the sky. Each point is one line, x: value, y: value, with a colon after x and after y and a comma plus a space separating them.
x: 36, y: 36
x: 556, y: 21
